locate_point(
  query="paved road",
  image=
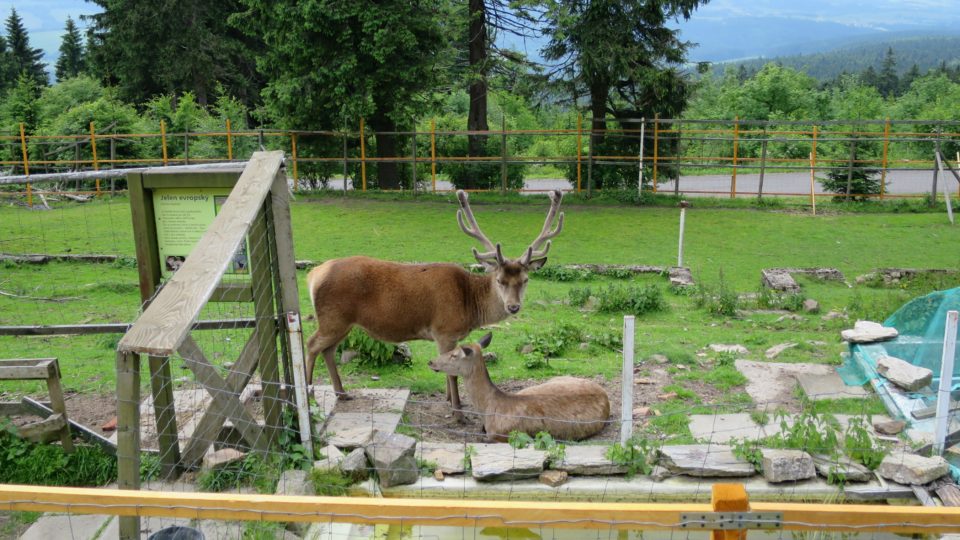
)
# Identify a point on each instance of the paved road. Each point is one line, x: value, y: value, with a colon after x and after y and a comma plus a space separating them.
x: 898, y: 183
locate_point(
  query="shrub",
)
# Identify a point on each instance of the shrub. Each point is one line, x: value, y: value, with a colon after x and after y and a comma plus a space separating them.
x: 632, y: 299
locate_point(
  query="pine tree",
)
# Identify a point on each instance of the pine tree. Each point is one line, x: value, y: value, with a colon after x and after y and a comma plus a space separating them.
x: 71, y: 62
x: 8, y: 72
x: 25, y: 58
x: 888, y: 83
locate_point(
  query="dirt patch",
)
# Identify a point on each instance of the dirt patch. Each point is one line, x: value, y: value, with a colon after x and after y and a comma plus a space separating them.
x: 88, y: 409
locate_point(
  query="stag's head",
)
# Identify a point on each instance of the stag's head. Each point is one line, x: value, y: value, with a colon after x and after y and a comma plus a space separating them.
x: 510, y: 275
x: 464, y: 360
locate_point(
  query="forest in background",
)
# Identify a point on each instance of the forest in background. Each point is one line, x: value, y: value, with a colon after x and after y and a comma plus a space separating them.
x: 323, y: 65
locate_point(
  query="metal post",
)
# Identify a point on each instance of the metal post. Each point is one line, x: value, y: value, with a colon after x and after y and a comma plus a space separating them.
x: 853, y: 157
x: 643, y: 125
x: 813, y: 199
x: 113, y: 164
x: 946, y: 382
x: 503, y: 154
x: 763, y: 164
x: 626, y: 381
x: 433, y: 153
x: 293, y: 159
x: 683, y: 215
x: 163, y: 141
x: 363, y: 158
x: 26, y: 164
x: 229, y: 142
x: 883, y: 170
x: 946, y: 190
x: 93, y: 148
x: 656, y: 147
x: 579, y: 149
x: 733, y: 176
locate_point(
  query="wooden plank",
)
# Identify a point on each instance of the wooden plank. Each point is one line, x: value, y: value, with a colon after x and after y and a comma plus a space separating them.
x: 115, y: 328
x: 264, y: 308
x: 232, y: 292
x: 165, y: 416
x: 949, y: 494
x: 460, y: 512
x: 144, y: 236
x: 160, y: 179
x: 12, y: 371
x: 44, y: 430
x: 284, y: 261
x: 930, y: 412
x: 128, y: 434
x: 79, y: 430
x: 226, y: 402
x: 58, y: 405
x: 923, y: 496
x: 166, y: 322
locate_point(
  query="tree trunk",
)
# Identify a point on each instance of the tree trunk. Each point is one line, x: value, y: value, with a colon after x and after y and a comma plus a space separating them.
x: 477, y: 48
x: 599, y: 93
x: 388, y: 174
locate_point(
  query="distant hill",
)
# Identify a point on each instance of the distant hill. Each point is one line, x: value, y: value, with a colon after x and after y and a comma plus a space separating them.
x: 926, y: 52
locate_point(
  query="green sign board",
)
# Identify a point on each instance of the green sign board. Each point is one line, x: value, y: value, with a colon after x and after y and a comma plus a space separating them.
x: 182, y: 216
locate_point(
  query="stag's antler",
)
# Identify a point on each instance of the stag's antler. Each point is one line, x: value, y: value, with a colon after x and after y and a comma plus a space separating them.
x: 493, y: 252
x: 533, y: 251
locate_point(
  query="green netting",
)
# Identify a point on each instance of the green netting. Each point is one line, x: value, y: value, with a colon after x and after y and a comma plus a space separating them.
x: 920, y: 323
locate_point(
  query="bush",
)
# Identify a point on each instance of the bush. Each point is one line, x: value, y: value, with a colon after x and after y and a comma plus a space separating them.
x: 632, y: 299
x: 371, y: 352
x: 863, y: 184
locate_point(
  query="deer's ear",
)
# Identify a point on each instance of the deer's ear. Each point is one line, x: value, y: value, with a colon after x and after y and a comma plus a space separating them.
x: 467, y: 351
x: 485, y: 340
x: 536, y: 264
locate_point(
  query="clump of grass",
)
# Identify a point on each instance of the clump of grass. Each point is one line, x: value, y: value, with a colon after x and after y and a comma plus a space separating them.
x: 24, y: 462
x: 721, y: 300
x: 330, y: 482
x: 564, y: 273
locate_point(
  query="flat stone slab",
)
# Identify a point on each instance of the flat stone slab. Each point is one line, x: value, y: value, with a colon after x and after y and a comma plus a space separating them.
x: 820, y: 386
x: 491, y: 462
x: 701, y: 460
x: 588, y: 460
x: 868, y: 332
x: 912, y: 469
x: 326, y: 399
x: 79, y: 526
x: 787, y: 465
x: 773, y: 382
x: 904, y: 374
x: 380, y: 399
x: 352, y: 430
x: 680, y: 277
x: 851, y: 471
x: 778, y: 279
x: 723, y: 428
x: 449, y: 457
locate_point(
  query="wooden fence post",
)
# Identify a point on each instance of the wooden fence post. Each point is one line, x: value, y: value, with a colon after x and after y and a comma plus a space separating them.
x: 886, y: 144
x: 163, y: 141
x: 229, y: 142
x: 933, y: 187
x: 579, y: 148
x: 93, y: 148
x: 503, y: 154
x: 853, y: 157
x: 293, y: 158
x: 26, y: 164
x: 656, y: 148
x: 363, y: 158
x: 763, y: 163
x: 733, y: 176
x: 128, y: 434
x: 729, y: 498
x: 413, y: 156
x: 433, y: 153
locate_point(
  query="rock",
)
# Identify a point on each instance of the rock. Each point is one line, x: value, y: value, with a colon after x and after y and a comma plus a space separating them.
x: 734, y: 349
x: 553, y: 478
x: 868, y: 332
x: 526, y: 349
x: 778, y: 279
x: 110, y: 425
x: 644, y: 380
x: 834, y: 315
x: 392, y: 455
x: 438, y: 475
x: 490, y: 357
x: 787, y: 465
x: 912, y: 469
x: 224, y: 456
x: 449, y: 457
x: 715, y: 460
x: 851, y: 471
x: 295, y: 482
x: 659, y: 474
x: 503, y: 462
x: 402, y: 354
x: 680, y: 277
x: 775, y: 351
x: 892, y: 427
x: 789, y: 317
x: 667, y: 396
x: 811, y: 306
x: 660, y: 359
x: 588, y: 460
x: 332, y: 459
x: 355, y: 464
x: 591, y: 304
x: 903, y: 373
x: 640, y: 412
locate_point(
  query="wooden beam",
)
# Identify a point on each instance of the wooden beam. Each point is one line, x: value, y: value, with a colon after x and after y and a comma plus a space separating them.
x: 43, y: 410
x: 116, y: 328
x: 265, y: 309
x: 458, y: 512
x: 165, y: 323
x: 27, y: 369
x: 128, y: 434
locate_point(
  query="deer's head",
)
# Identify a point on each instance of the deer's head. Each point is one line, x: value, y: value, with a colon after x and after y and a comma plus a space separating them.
x: 510, y: 275
x: 463, y: 360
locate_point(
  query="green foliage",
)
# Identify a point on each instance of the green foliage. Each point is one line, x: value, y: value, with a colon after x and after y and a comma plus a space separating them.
x: 23, y: 462
x: 71, y: 61
x: 330, y: 482
x: 639, y: 455
x: 250, y: 470
x: 554, y: 341
x: 861, y: 445
x: 721, y: 300
x: 748, y: 450
x: 542, y: 441
x: 634, y: 299
x: 578, y: 296
x: 372, y: 353
x: 563, y: 273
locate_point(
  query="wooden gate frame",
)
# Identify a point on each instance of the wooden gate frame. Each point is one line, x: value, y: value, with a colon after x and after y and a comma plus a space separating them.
x: 259, y: 208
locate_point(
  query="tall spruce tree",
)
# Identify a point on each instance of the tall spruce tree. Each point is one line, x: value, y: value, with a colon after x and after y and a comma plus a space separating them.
x: 8, y: 72
x: 887, y: 81
x: 71, y: 62
x: 25, y: 58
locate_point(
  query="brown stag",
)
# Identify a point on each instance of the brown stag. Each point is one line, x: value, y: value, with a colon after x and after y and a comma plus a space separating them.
x: 397, y: 302
x: 568, y: 408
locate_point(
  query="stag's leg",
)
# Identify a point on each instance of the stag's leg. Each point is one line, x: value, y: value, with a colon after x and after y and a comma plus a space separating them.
x: 326, y: 344
x: 453, y: 391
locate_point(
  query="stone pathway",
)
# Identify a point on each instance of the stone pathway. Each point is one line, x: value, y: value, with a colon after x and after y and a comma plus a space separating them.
x: 771, y: 384
x: 820, y: 386
x: 351, y: 424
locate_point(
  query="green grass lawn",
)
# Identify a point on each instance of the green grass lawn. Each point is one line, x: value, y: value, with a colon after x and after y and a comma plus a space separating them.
x: 725, y: 247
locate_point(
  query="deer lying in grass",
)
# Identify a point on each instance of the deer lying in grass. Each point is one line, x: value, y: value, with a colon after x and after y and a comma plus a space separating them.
x: 440, y: 302
x: 566, y: 407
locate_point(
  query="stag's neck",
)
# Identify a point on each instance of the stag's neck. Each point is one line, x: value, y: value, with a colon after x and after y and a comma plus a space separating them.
x: 489, y: 305
x: 483, y: 392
